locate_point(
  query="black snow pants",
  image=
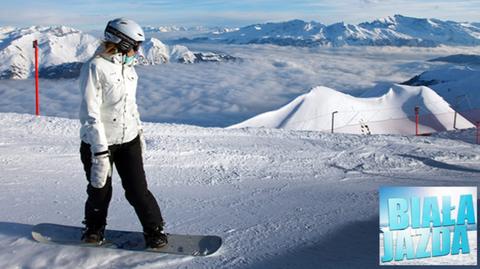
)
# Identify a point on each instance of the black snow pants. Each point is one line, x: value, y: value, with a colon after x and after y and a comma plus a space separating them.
x: 128, y: 161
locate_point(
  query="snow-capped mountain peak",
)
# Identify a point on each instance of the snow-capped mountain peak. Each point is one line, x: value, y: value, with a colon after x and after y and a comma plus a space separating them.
x: 58, y: 45
x: 153, y: 51
x: 182, y: 54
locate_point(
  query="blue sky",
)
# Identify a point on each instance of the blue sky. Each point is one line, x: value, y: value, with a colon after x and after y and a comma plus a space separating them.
x: 89, y: 14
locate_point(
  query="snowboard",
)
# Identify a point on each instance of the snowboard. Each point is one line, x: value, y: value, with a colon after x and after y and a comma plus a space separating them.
x: 195, y: 245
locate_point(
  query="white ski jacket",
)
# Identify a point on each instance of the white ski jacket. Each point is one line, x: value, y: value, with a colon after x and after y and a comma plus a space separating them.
x: 108, y: 112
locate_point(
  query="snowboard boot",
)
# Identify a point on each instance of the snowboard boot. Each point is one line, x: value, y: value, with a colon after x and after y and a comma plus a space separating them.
x: 155, y: 237
x: 93, y: 234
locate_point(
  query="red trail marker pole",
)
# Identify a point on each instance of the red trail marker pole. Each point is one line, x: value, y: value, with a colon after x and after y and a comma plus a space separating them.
x: 37, y: 96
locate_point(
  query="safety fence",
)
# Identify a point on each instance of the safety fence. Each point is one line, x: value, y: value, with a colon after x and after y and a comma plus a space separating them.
x: 417, y: 123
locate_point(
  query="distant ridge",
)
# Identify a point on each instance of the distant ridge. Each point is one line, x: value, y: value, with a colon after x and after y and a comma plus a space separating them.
x: 397, y: 30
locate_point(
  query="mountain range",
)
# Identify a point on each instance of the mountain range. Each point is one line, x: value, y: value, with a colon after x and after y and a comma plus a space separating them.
x: 396, y: 30
x: 168, y: 29
x: 62, y: 50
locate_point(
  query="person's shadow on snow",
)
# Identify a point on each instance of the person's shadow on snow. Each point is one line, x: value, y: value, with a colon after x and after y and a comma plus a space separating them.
x: 353, y: 245
x: 19, y: 230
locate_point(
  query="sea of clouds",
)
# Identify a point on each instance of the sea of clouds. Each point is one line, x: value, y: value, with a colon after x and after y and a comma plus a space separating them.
x: 222, y: 94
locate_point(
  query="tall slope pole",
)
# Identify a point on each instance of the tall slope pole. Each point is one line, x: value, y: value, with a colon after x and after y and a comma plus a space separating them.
x: 37, y: 96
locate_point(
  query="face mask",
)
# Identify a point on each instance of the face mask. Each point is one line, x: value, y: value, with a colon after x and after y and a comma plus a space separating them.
x: 128, y: 59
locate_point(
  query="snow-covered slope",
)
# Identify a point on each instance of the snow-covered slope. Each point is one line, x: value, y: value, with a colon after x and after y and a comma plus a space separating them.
x: 391, y: 113
x: 57, y: 45
x: 62, y: 50
x: 278, y: 198
x: 459, y: 85
x: 391, y: 31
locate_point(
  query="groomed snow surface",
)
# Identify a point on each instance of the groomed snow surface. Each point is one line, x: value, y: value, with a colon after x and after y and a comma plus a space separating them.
x: 278, y: 198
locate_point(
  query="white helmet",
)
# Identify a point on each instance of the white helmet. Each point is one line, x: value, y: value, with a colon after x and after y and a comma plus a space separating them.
x: 126, y: 33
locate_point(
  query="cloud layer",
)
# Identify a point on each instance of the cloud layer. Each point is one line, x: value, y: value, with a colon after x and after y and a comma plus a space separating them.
x: 210, y: 94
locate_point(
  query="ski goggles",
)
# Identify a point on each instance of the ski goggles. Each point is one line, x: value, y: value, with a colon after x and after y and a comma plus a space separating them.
x: 136, y: 47
x: 126, y: 43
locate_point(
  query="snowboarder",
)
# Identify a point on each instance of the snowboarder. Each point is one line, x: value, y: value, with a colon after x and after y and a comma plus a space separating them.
x: 111, y: 133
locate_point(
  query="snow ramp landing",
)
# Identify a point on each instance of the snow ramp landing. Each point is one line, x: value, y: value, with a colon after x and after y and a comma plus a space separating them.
x: 391, y: 113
